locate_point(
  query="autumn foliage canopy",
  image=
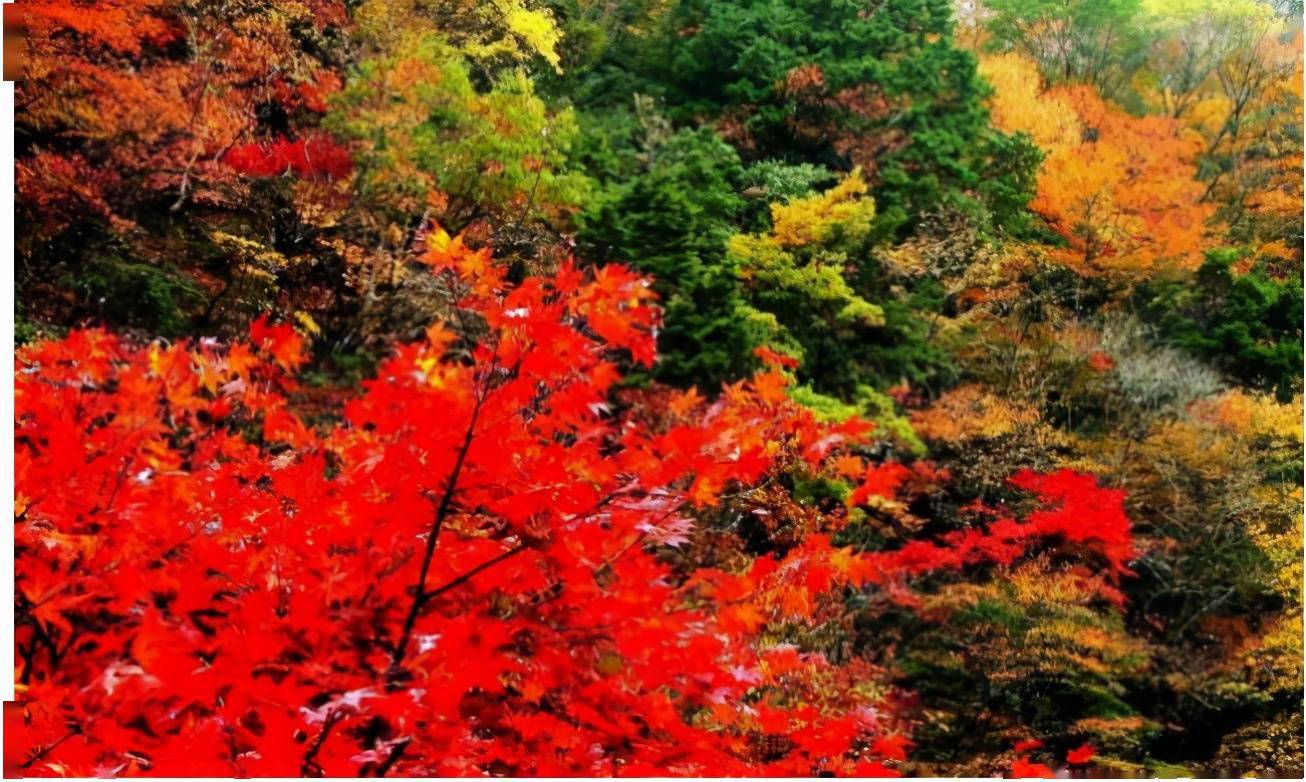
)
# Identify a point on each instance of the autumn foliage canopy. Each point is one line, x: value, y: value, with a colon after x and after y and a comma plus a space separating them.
x: 679, y: 388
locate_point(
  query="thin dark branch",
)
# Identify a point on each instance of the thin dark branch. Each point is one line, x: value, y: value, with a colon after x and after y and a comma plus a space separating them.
x: 470, y: 574
x: 441, y: 513
x: 309, y: 764
x: 36, y: 758
x: 396, y: 752
x: 502, y: 557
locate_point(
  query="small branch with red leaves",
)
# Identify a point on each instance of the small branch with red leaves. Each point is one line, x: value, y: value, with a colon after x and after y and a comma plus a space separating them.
x: 441, y: 513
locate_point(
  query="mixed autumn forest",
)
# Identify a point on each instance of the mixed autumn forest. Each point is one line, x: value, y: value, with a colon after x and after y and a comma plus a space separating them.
x: 657, y: 388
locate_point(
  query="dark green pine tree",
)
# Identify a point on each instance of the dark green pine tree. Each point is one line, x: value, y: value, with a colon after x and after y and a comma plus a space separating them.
x: 850, y: 82
x: 672, y: 222
x: 1250, y: 325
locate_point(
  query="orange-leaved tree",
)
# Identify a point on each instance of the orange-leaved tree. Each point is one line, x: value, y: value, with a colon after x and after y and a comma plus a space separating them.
x: 1121, y: 190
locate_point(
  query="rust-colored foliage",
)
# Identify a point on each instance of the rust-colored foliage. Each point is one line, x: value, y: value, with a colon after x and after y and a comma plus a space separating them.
x: 143, y: 98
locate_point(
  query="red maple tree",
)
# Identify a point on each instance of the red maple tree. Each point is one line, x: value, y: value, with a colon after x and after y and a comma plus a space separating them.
x: 463, y: 574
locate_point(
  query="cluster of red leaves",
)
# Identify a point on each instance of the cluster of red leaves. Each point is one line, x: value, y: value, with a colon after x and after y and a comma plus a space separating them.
x: 460, y: 577
x: 1072, y: 510
x: 312, y: 156
x: 1024, y: 768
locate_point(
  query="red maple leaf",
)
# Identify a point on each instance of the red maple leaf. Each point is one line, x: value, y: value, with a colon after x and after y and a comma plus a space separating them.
x: 1081, y: 754
x: 1022, y: 768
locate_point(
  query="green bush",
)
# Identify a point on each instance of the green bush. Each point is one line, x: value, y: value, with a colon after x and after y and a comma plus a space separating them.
x: 1248, y: 324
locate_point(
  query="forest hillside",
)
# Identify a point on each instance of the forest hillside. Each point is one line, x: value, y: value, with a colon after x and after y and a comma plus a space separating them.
x: 658, y: 388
